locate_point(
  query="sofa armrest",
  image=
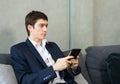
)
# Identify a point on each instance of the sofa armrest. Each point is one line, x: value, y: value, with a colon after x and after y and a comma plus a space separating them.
x: 113, y: 67
x: 7, y: 75
x: 4, y: 58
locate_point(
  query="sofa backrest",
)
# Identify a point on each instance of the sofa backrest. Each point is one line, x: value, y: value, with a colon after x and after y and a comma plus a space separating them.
x: 7, y: 75
x: 96, y: 64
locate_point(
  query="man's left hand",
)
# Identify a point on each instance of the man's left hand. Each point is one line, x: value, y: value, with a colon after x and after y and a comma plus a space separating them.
x: 74, y: 63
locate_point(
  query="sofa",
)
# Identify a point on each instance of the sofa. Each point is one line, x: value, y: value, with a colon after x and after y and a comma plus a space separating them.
x: 7, y: 75
x: 95, y: 65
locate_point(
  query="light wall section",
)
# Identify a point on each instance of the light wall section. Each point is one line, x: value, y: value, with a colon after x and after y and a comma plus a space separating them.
x: 94, y: 23
x: 12, y: 25
x: 81, y: 26
x: 106, y: 22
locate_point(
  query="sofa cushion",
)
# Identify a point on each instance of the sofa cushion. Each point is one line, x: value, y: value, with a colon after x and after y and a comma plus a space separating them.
x: 113, y: 67
x: 96, y: 64
x: 7, y: 75
x: 4, y: 58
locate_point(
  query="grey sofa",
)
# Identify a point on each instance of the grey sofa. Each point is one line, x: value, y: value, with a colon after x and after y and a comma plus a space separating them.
x: 93, y: 67
x: 7, y: 75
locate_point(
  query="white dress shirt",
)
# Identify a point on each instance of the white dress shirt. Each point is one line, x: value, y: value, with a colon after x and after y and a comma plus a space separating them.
x: 47, y: 58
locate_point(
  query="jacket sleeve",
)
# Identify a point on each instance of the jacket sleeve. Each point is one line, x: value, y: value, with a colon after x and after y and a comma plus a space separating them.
x: 74, y: 72
x: 23, y: 72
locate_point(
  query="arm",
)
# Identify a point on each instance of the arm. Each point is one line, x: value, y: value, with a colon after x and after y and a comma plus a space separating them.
x: 23, y: 72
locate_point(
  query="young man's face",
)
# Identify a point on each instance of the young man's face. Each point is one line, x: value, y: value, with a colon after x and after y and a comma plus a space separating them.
x: 39, y: 30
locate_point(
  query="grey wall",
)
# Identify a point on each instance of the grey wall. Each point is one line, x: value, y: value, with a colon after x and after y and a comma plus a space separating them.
x: 12, y: 14
x: 106, y: 22
x: 82, y: 31
x: 97, y: 22
x: 72, y: 23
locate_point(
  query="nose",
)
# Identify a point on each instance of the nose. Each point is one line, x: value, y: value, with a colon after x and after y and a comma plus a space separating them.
x: 45, y: 28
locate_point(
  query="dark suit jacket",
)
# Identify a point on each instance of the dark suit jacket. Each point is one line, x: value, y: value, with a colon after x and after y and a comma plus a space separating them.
x: 30, y: 68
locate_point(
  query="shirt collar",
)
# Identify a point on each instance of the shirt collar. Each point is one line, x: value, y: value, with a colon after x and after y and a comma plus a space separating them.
x: 43, y: 43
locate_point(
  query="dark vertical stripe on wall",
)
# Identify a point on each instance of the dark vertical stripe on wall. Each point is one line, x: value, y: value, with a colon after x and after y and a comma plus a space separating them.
x: 69, y: 24
x: 72, y: 25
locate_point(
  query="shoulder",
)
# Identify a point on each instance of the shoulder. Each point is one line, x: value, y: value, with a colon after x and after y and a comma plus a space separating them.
x: 18, y: 45
x: 54, y: 47
x: 52, y: 44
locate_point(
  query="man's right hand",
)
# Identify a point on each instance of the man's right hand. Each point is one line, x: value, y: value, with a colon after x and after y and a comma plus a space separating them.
x: 62, y: 63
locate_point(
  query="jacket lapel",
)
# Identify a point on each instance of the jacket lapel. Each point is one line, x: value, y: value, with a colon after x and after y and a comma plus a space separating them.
x: 51, y: 51
x: 54, y: 56
x: 35, y: 52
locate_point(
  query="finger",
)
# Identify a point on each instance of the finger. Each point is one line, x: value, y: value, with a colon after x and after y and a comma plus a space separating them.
x: 69, y: 63
x: 77, y: 57
x: 74, y: 62
x: 69, y: 57
x: 74, y: 65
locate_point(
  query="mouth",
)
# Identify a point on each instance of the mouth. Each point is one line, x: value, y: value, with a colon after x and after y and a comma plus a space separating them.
x: 44, y: 34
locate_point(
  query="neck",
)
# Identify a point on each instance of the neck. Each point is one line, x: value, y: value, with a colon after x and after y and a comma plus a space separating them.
x: 36, y: 40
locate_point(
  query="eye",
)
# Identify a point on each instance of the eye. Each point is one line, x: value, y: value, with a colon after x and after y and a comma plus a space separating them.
x: 43, y: 25
x: 46, y: 25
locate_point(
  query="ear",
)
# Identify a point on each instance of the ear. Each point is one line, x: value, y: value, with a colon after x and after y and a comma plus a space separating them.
x: 30, y: 28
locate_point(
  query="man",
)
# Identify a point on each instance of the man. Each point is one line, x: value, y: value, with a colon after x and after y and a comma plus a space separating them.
x: 37, y: 61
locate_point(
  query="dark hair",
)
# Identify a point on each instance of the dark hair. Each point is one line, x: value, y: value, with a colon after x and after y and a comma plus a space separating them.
x: 32, y: 17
